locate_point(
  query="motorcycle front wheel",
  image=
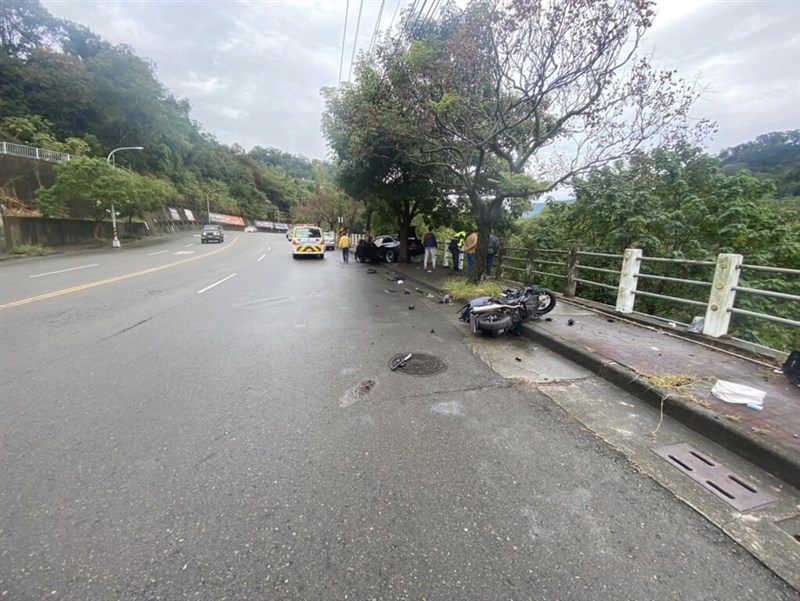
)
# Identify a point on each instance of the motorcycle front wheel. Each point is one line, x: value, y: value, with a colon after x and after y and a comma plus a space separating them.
x: 545, y: 302
x: 492, y: 323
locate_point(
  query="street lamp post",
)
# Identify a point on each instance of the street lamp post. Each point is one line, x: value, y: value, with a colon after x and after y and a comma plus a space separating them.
x: 115, y: 241
x: 208, y: 205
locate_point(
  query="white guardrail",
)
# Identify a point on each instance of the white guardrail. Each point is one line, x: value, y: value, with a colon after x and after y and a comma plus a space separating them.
x: 722, y: 288
x: 27, y: 152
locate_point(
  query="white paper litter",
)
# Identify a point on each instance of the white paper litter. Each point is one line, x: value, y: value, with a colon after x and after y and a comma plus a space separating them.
x: 737, y: 393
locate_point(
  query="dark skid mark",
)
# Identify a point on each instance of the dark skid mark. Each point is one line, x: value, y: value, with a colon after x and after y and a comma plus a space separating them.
x: 263, y: 301
x: 136, y: 325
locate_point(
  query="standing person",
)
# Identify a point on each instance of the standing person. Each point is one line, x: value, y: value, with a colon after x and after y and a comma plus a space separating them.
x: 461, y: 237
x: 344, y: 244
x: 494, y: 246
x: 470, y: 246
x: 429, y: 243
x: 455, y: 249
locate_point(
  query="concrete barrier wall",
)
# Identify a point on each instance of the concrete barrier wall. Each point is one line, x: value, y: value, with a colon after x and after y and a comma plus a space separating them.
x: 62, y: 232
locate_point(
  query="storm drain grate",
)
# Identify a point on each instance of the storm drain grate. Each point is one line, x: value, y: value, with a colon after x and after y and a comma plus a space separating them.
x: 419, y: 364
x: 715, y: 477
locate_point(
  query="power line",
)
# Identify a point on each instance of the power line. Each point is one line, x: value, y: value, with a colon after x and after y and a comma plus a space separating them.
x: 396, y: 8
x: 355, y: 40
x: 377, y: 27
x: 344, y: 38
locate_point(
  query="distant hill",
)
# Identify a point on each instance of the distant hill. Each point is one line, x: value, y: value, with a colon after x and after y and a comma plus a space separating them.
x: 538, y: 206
x: 775, y: 155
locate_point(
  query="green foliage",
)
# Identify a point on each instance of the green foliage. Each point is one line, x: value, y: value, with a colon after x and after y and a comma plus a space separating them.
x: 775, y: 155
x: 676, y: 203
x: 373, y: 160
x: 463, y: 289
x: 87, y: 187
x: 28, y: 249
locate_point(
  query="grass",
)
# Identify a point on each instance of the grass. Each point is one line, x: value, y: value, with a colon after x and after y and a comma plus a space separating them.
x: 463, y: 289
x: 28, y: 249
x: 676, y: 383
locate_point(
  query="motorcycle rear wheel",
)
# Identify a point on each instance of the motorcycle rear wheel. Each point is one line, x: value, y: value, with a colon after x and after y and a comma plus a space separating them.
x: 492, y: 323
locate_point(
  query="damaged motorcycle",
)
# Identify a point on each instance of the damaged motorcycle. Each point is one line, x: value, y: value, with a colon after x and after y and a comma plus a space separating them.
x: 505, y: 313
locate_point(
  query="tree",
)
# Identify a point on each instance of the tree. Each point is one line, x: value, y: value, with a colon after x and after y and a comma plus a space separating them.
x: 87, y: 187
x: 374, y: 163
x: 485, y: 93
x: 325, y: 207
x: 24, y: 26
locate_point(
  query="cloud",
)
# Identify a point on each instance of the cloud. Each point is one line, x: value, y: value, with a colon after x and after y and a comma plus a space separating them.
x: 253, y: 71
x: 746, y: 54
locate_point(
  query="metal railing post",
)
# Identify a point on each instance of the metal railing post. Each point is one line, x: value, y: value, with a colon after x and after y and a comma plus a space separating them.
x: 626, y: 294
x: 530, y: 266
x: 723, y: 293
x: 572, y: 267
x: 498, y: 269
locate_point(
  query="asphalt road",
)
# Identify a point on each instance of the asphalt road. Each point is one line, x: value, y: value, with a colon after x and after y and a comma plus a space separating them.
x: 220, y: 422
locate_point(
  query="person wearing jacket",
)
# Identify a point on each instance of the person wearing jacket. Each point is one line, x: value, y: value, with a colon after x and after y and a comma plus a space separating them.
x: 455, y: 251
x: 429, y: 243
x: 494, y: 247
x: 470, y: 246
x: 344, y: 244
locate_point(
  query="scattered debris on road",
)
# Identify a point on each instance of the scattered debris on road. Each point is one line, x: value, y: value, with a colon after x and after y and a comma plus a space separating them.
x: 402, y: 363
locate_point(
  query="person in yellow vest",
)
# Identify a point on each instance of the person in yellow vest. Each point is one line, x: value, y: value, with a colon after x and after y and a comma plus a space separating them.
x: 344, y: 244
x: 456, y: 242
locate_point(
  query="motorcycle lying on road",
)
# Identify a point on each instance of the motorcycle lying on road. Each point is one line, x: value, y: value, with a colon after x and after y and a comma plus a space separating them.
x: 505, y: 313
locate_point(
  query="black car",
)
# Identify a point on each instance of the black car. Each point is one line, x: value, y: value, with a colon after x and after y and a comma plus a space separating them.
x: 212, y: 232
x: 387, y: 248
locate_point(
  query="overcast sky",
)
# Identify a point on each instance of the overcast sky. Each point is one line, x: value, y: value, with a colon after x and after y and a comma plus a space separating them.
x: 252, y: 70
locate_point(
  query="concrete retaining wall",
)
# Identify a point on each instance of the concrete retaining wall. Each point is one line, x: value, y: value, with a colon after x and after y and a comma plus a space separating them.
x: 62, y: 232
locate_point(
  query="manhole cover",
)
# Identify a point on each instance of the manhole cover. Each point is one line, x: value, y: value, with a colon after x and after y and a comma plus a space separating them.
x: 419, y: 364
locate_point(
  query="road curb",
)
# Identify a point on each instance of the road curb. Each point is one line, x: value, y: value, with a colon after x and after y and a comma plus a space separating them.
x: 759, y: 450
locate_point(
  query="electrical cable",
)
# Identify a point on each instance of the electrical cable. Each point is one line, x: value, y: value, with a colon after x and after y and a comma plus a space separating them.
x: 377, y: 27
x: 396, y: 8
x: 344, y: 38
x: 355, y: 41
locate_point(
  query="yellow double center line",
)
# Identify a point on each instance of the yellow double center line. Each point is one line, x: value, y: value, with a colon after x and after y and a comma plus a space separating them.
x: 118, y: 278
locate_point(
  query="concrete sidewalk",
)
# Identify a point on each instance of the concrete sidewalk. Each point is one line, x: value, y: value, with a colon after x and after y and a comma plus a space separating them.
x: 644, y: 360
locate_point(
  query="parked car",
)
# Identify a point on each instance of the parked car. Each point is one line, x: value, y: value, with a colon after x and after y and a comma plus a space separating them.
x: 387, y: 248
x: 212, y: 233
x: 307, y: 240
x: 250, y: 229
x: 330, y: 240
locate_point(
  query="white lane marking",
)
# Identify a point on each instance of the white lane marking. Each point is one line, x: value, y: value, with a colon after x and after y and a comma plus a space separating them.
x: 184, y: 252
x: 39, y: 275
x: 216, y: 284
x: 160, y: 252
x: 261, y: 257
x: 190, y: 244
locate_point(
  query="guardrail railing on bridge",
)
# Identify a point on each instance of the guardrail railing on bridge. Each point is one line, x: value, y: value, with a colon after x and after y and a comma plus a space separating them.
x: 20, y: 150
x: 720, y: 279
